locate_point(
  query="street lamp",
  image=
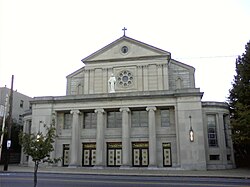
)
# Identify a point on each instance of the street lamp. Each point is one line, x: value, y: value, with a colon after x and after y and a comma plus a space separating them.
x: 191, y: 132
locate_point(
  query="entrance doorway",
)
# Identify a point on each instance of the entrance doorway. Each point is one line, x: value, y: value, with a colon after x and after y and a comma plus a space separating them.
x: 89, y: 154
x: 140, y: 154
x: 114, y: 151
x: 167, y: 161
x: 65, y: 161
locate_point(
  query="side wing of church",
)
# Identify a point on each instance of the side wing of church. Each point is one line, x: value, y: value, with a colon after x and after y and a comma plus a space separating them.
x: 132, y: 105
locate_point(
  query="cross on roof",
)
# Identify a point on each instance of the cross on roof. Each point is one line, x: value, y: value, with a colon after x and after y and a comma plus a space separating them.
x: 124, y: 31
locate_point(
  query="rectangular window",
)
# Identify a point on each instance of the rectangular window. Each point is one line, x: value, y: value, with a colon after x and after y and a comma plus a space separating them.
x: 20, y: 119
x: 214, y: 157
x: 139, y: 118
x: 114, y: 119
x: 165, y: 118
x: 67, y: 121
x: 21, y: 103
x: 90, y: 120
x: 212, y: 131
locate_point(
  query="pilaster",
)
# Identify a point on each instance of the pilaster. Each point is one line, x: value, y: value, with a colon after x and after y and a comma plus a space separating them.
x: 86, y: 82
x: 145, y: 78
x: 165, y: 77
x: 140, y: 78
x: 160, y: 75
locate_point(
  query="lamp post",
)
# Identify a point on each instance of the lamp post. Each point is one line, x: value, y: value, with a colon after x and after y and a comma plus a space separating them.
x: 191, y: 132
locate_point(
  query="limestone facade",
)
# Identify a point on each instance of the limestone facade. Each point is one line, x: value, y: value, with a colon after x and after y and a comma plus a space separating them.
x: 145, y: 122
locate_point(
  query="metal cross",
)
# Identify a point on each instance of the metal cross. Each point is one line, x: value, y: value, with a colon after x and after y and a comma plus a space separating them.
x: 124, y: 31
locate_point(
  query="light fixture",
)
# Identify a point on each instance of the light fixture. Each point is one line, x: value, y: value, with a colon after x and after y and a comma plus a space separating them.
x: 191, y: 132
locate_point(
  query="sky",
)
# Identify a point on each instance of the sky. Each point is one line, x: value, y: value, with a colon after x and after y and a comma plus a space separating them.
x: 43, y: 41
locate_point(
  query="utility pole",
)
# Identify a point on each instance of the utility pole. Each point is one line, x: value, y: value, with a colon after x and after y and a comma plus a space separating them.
x: 3, y: 125
x: 7, y: 158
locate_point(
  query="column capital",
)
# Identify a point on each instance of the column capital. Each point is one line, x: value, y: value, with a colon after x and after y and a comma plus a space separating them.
x: 151, y: 108
x: 75, y: 111
x: 124, y: 109
x: 99, y: 110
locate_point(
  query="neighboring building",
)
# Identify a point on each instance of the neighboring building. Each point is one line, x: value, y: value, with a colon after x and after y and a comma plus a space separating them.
x: 21, y: 104
x: 132, y: 105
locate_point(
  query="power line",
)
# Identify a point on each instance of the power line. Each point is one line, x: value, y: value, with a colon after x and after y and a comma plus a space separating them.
x: 207, y: 57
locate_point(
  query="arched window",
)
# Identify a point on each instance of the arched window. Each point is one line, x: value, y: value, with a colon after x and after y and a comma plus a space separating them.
x: 179, y: 83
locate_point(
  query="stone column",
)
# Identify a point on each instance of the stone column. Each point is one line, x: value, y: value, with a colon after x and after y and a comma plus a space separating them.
x: 100, y: 138
x: 125, y: 137
x: 75, y: 139
x: 152, y: 136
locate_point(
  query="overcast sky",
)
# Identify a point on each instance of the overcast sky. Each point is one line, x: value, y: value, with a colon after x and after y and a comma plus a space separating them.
x: 42, y: 41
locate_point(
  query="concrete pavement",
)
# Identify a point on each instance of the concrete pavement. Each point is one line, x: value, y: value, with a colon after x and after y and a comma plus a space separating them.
x: 230, y: 173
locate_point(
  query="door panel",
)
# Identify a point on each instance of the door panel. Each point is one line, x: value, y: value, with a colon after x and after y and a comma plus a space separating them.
x: 144, y: 155
x: 111, y: 157
x: 118, y: 157
x: 93, y: 157
x: 136, y: 157
x: 86, y: 156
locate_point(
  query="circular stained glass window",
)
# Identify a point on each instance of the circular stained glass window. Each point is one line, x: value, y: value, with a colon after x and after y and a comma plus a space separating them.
x: 125, y: 78
x: 124, y: 49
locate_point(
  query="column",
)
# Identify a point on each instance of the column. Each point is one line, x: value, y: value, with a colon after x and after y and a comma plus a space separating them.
x: 152, y: 136
x: 125, y: 137
x: 100, y: 138
x: 75, y: 139
x: 86, y: 81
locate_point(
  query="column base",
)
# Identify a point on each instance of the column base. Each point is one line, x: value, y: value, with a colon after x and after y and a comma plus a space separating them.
x: 98, y: 167
x: 152, y: 167
x: 74, y: 166
x: 125, y: 167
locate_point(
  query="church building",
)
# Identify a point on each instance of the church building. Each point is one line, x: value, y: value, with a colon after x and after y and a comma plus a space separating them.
x: 132, y: 105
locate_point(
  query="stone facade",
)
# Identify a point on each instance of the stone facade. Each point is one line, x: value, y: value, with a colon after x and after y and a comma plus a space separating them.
x: 145, y: 122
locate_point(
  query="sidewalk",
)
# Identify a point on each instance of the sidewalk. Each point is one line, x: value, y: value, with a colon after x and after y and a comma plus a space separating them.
x: 231, y: 173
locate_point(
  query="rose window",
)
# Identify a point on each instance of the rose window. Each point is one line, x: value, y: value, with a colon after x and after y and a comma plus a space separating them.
x: 125, y: 78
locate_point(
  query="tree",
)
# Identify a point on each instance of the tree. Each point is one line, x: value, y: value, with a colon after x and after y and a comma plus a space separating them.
x: 239, y: 101
x: 39, y: 146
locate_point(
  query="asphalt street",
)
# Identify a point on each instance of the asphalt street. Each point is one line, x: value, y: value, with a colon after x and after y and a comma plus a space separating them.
x: 22, y: 179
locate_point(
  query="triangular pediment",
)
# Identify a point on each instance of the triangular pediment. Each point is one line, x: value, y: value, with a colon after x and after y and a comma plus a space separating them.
x: 125, y: 48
